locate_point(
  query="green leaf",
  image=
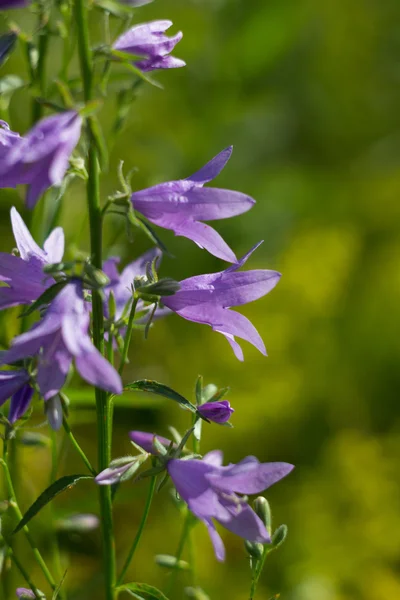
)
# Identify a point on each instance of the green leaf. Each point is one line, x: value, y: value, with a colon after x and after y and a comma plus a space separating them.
x: 148, y: 385
x: 45, y: 298
x: 147, y: 592
x: 62, y: 484
x: 114, y: 8
x: 8, y: 85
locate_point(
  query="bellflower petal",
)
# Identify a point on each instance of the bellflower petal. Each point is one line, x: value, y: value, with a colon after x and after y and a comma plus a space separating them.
x: 209, y: 490
x: 20, y: 403
x: 149, y: 41
x: 24, y: 274
x: 249, y: 476
x: 217, y: 412
x: 40, y: 158
x: 61, y: 336
x: 10, y: 382
x: 24, y: 593
x: 182, y: 205
x: 145, y: 440
x: 54, y: 412
x: 208, y: 298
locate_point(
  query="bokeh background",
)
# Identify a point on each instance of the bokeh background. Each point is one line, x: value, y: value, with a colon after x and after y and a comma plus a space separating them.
x: 308, y: 92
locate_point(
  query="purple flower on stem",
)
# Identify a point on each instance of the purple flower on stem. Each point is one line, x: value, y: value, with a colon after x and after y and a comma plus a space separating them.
x: 24, y: 593
x: 146, y: 440
x: 23, y: 274
x: 182, y: 205
x: 149, y: 41
x: 40, y: 158
x: 217, y: 412
x: 212, y: 491
x: 14, y: 384
x: 208, y: 298
x: 60, y: 337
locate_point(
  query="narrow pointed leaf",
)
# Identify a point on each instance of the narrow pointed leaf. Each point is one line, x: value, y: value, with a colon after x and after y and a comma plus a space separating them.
x: 7, y: 43
x: 47, y: 296
x: 62, y: 484
x: 148, y: 385
x: 148, y: 592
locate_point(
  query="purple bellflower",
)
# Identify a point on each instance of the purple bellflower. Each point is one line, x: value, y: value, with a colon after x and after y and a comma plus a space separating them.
x: 14, y: 384
x: 149, y: 41
x: 6, y: 4
x: 182, y: 205
x: 218, y: 412
x: 23, y: 274
x: 61, y: 336
x: 212, y: 491
x: 24, y: 593
x: 8, y: 139
x: 208, y: 299
x: 40, y: 158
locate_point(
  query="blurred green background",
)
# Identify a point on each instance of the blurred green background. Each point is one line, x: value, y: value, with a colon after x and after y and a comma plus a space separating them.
x: 308, y: 92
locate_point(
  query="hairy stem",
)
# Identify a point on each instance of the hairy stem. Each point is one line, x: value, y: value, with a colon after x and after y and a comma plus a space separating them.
x: 103, y: 400
x: 139, y: 531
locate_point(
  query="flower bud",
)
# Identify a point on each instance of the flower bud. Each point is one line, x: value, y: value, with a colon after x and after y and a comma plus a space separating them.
x: 217, y: 412
x: 120, y: 469
x: 196, y: 593
x: 54, y: 412
x: 170, y: 562
x: 255, y: 549
x: 279, y: 536
x: 263, y: 510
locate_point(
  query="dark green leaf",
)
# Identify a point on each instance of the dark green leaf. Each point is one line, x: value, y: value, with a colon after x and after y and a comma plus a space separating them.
x: 148, y: 385
x: 148, y: 592
x: 62, y: 484
x: 45, y: 298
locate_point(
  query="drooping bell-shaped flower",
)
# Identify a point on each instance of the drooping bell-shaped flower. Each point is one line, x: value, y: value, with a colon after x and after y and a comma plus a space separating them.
x: 213, y: 492
x: 182, y: 205
x: 23, y: 275
x: 148, y: 40
x: 41, y: 157
x: 208, y: 298
x: 61, y: 336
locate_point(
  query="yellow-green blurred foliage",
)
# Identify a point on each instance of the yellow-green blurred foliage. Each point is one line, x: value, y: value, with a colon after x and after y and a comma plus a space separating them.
x: 308, y: 92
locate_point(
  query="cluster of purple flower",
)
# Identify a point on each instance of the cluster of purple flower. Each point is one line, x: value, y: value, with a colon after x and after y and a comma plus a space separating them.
x: 40, y: 358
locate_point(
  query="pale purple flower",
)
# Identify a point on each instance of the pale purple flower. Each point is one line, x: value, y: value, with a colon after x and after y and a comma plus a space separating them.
x: 14, y: 384
x: 24, y: 593
x: 212, y: 491
x: 121, y: 283
x: 23, y: 274
x: 8, y: 139
x: 217, y: 412
x: 181, y: 206
x: 208, y: 298
x: 41, y: 157
x: 149, y: 41
x: 6, y: 4
x: 61, y: 336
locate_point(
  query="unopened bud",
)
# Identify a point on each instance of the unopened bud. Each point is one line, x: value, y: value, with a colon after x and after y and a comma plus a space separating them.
x: 196, y: 593
x: 263, y: 510
x: 97, y: 276
x: 279, y: 535
x: 25, y: 594
x: 54, y: 412
x: 255, y: 549
x: 32, y: 438
x: 121, y: 469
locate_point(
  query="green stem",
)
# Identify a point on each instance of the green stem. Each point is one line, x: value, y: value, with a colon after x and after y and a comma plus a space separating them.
x: 257, y: 572
x: 77, y: 447
x: 53, y: 476
x: 103, y: 400
x: 17, y: 511
x: 24, y: 574
x: 139, y: 531
x: 128, y: 335
x: 40, y: 71
x: 181, y: 545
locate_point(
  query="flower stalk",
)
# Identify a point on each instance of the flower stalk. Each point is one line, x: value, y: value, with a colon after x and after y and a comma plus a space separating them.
x: 103, y: 400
